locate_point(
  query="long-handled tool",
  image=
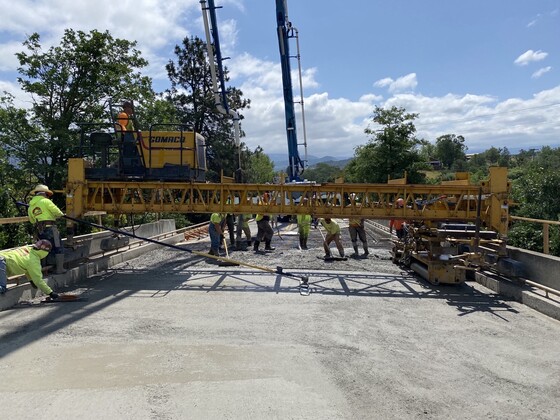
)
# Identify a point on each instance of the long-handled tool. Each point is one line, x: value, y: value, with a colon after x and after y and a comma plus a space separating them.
x: 279, y: 270
x: 227, y: 263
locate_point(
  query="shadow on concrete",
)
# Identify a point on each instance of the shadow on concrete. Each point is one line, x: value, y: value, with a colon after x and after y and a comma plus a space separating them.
x: 177, y: 275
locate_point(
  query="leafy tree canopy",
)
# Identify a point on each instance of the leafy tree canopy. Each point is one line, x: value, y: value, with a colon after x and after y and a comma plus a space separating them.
x: 68, y: 83
x: 391, y: 150
x: 193, y: 96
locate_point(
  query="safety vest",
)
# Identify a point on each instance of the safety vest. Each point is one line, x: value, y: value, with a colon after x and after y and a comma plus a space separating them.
x: 332, y: 228
x: 304, y: 219
x: 27, y: 260
x: 42, y: 209
x: 217, y: 218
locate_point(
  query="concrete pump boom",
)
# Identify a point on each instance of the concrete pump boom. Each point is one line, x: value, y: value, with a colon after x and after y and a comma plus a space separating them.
x: 285, y: 32
x: 215, y: 60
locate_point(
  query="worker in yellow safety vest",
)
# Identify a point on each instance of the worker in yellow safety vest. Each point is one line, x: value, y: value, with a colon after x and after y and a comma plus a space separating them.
x: 216, y: 232
x: 26, y: 260
x: 42, y: 214
x: 304, y: 224
x: 333, y: 234
x: 243, y: 228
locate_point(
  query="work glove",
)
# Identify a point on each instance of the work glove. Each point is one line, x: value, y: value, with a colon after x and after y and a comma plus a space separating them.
x: 53, y: 295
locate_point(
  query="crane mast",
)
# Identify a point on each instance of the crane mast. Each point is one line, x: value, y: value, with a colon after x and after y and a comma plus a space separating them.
x: 285, y: 32
x: 216, y: 68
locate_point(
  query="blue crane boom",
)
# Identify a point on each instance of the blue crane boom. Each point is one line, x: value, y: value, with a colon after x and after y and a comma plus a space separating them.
x: 285, y: 32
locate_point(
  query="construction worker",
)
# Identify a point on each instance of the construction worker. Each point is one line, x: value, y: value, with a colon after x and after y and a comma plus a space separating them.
x: 216, y: 232
x: 264, y: 233
x: 357, y: 230
x: 304, y: 224
x: 398, y: 224
x: 333, y: 234
x: 243, y: 227
x: 124, y: 119
x: 42, y: 214
x: 26, y: 260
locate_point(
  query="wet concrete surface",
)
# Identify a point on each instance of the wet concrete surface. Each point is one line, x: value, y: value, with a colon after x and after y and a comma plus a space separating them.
x: 172, y: 335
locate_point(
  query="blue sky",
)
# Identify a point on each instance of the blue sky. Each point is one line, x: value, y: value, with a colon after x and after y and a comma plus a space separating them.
x: 487, y: 70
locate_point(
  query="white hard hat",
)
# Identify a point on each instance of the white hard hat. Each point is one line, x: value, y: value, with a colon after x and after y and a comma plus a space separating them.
x: 41, y: 188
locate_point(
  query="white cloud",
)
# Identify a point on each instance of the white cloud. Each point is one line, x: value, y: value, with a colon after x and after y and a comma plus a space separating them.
x: 530, y: 56
x: 540, y: 72
x: 402, y: 84
x: 335, y: 126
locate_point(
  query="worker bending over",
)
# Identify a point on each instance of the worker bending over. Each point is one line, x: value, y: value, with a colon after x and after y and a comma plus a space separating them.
x: 26, y: 260
x: 42, y: 214
x: 333, y: 234
x: 264, y: 233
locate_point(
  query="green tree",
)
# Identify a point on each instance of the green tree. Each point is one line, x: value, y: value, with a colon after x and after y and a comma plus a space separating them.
x: 192, y: 94
x: 260, y: 167
x: 537, y: 192
x: 68, y: 83
x: 391, y: 150
x: 450, y: 150
x: 323, y: 172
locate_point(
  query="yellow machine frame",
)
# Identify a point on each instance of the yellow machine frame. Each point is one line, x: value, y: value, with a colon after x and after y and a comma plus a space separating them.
x: 448, y: 202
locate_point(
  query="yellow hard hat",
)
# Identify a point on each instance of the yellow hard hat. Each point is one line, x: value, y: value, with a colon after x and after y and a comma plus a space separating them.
x: 40, y: 188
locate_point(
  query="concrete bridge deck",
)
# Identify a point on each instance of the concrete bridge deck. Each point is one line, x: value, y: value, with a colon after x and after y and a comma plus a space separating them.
x: 167, y: 335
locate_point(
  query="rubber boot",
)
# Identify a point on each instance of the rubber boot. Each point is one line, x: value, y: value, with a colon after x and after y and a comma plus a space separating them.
x: 268, y: 247
x: 356, y: 253
x: 256, y: 245
x: 305, y: 243
x: 366, y: 251
x: 59, y: 258
x: 301, y: 242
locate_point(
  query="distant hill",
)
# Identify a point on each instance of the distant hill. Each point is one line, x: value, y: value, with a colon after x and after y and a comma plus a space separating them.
x: 281, y: 161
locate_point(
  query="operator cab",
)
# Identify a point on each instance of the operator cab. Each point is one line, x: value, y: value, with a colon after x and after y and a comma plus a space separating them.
x: 118, y: 150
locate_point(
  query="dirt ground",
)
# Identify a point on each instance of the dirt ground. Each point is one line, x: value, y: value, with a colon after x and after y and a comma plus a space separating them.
x: 171, y: 335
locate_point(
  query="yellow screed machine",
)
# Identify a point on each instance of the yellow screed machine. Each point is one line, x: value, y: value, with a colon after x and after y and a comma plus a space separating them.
x: 454, y: 226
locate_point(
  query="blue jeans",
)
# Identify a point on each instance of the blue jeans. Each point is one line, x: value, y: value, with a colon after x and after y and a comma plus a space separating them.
x: 214, y: 237
x: 3, y: 276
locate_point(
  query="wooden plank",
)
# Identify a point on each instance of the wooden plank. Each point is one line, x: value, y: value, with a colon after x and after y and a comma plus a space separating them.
x: 10, y: 220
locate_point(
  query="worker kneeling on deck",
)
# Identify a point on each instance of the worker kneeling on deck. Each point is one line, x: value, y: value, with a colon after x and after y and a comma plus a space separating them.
x: 26, y: 260
x: 42, y: 214
x: 333, y: 234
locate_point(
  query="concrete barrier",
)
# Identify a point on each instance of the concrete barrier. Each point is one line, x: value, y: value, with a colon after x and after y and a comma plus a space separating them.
x: 540, y: 268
